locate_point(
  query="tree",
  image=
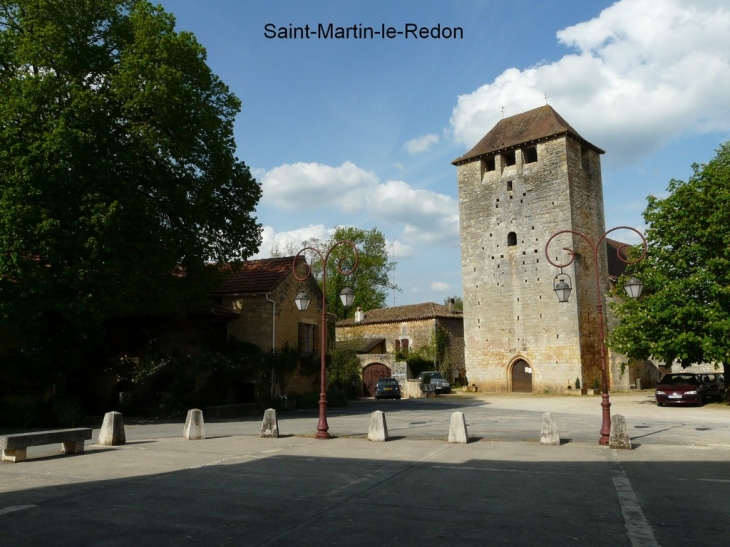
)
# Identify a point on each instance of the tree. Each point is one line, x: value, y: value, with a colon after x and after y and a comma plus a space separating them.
x: 119, y: 178
x: 684, y: 312
x: 458, y: 302
x: 370, y: 280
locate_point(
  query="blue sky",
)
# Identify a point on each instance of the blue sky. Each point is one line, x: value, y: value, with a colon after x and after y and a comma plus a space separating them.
x: 361, y: 132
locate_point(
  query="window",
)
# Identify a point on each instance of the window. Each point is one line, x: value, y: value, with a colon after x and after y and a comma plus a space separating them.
x: 404, y: 346
x: 509, y: 158
x: 585, y: 158
x: 529, y: 155
x: 511, y: 239
x: 509, y: 185
x: 306, y: 338
x: 488, y: 164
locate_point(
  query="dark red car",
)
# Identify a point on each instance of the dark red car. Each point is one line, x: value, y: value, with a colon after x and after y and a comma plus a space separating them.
x: 681, y: 389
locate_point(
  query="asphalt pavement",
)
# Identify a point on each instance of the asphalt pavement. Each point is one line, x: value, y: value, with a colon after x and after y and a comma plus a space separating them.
x: 502, y: 488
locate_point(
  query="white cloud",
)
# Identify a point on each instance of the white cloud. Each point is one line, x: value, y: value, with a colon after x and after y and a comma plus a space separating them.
x: 291, y: 238
x: 421, y: 144
x: 440, y: 286
x: 426, y: 216
x: 643, y: 72
x: 398, y: 250
x: 307, y: 185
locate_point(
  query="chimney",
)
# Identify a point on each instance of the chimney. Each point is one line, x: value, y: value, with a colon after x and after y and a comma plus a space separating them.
x: 359, y: 315
x: 450, y: 305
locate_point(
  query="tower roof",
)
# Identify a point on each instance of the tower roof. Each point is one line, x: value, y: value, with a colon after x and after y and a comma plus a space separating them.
x: 528, y: 127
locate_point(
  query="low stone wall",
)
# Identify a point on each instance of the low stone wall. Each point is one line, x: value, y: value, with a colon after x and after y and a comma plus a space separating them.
x: 412, y: 389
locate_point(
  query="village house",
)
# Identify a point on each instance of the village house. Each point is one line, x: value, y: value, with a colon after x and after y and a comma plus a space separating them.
x: 386, y: 336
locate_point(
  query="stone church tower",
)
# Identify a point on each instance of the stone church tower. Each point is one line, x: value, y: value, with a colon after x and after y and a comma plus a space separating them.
x: 532, y: 175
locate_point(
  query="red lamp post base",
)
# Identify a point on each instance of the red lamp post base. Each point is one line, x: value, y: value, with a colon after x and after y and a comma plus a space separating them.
x: 606, y: 424
x: 322, y: 426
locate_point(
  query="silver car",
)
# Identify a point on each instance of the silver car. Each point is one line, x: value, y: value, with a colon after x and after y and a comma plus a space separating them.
x: 437, y: 380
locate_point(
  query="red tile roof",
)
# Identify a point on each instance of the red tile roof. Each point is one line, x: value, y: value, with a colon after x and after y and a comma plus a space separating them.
x: 258, y: 276
x: 527, y: 127
x: 415, y: 312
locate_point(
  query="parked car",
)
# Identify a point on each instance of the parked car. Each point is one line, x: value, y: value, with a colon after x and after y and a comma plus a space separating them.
x: 387, y: 388
x: 715, y: 385
x: 681, y: 389
x: 437, y: 380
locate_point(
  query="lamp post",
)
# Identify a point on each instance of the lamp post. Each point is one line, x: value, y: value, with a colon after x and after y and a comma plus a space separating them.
x: 562, y: 290
x: 347, y: 295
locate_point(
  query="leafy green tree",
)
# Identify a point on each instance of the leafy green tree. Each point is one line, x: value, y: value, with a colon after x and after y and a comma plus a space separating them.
x: 370, y: 281
x: 344, y: 371
x: 684, y: 312
x: 119, y: 172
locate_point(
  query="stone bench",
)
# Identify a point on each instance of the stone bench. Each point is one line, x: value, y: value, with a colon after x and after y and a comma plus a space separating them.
x: 15, y: 446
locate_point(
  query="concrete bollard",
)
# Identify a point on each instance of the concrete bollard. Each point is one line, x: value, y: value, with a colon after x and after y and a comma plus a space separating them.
x: 457, y: 429
x: 194, y: 425
x: 270, y: 425
x: 549, y: 433
x: 619, y: 438
x: 378, y: 430
x: 112, y: 430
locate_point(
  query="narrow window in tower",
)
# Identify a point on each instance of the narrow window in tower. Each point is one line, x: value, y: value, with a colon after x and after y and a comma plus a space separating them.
x: 509, y: 158
x: 489, y: 164
x: 509, y: 185
x: 585, y: 158
x: 511, y: 239
x: 529, y: 155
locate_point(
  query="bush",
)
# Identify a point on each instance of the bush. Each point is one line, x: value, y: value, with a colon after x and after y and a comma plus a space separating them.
x: 68, y: 413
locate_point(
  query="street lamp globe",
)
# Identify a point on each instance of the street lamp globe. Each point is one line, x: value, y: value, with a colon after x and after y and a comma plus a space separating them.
x: 562, y: 290
x: 633, y: 287
x: 302, y: 300
x: 347, y: 295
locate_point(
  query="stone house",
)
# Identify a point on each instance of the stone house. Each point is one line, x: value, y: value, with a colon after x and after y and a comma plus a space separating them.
x: 531, y: 176
x: 388, y: 333
x: 261, y: 294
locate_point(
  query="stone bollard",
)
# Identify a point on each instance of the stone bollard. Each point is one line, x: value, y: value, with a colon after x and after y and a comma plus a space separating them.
x: 112, y: 430
x: 457, y: 429
x: 378, y: 430
x: 619, y: 438
x: 194, y: 425
x: 549, y: 433
x: 270, y: 425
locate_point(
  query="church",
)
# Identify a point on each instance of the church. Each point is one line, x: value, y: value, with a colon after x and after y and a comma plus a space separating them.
x: 531, y: 176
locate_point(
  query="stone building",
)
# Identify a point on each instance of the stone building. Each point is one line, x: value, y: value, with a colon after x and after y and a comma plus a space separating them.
x: 531, y: 176
x: 390, y: 332
x: 261, y: 293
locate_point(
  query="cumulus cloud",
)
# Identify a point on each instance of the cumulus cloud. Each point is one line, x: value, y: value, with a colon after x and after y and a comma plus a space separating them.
x: 421, y: 144
x: 400, y: 251
x: 291, y: 240
x: 426, y: 216
x: 642, y: 73
x: 308, y: 185
x: 440, y: 286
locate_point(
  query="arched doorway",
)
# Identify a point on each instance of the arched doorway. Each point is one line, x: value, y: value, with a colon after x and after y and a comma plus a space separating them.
x: 521, y: 377
x: 370, y: 376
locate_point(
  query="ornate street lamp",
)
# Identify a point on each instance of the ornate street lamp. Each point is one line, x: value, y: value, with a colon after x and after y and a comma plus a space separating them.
x: 633, y: 288
x: 347, y: 295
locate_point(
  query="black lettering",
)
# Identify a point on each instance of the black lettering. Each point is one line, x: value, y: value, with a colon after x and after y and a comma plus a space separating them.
x: 270, y: 31
x: 392, y: 33
x: 423, y: 32
x: 411, y: 29
x: 459, y: 31
x: 325, y: 32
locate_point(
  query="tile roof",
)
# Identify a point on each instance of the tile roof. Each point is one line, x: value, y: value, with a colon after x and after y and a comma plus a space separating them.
x: 258, y: 276
x: 414, y: 312
x: 531, y: 126
x: 616, y: 267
